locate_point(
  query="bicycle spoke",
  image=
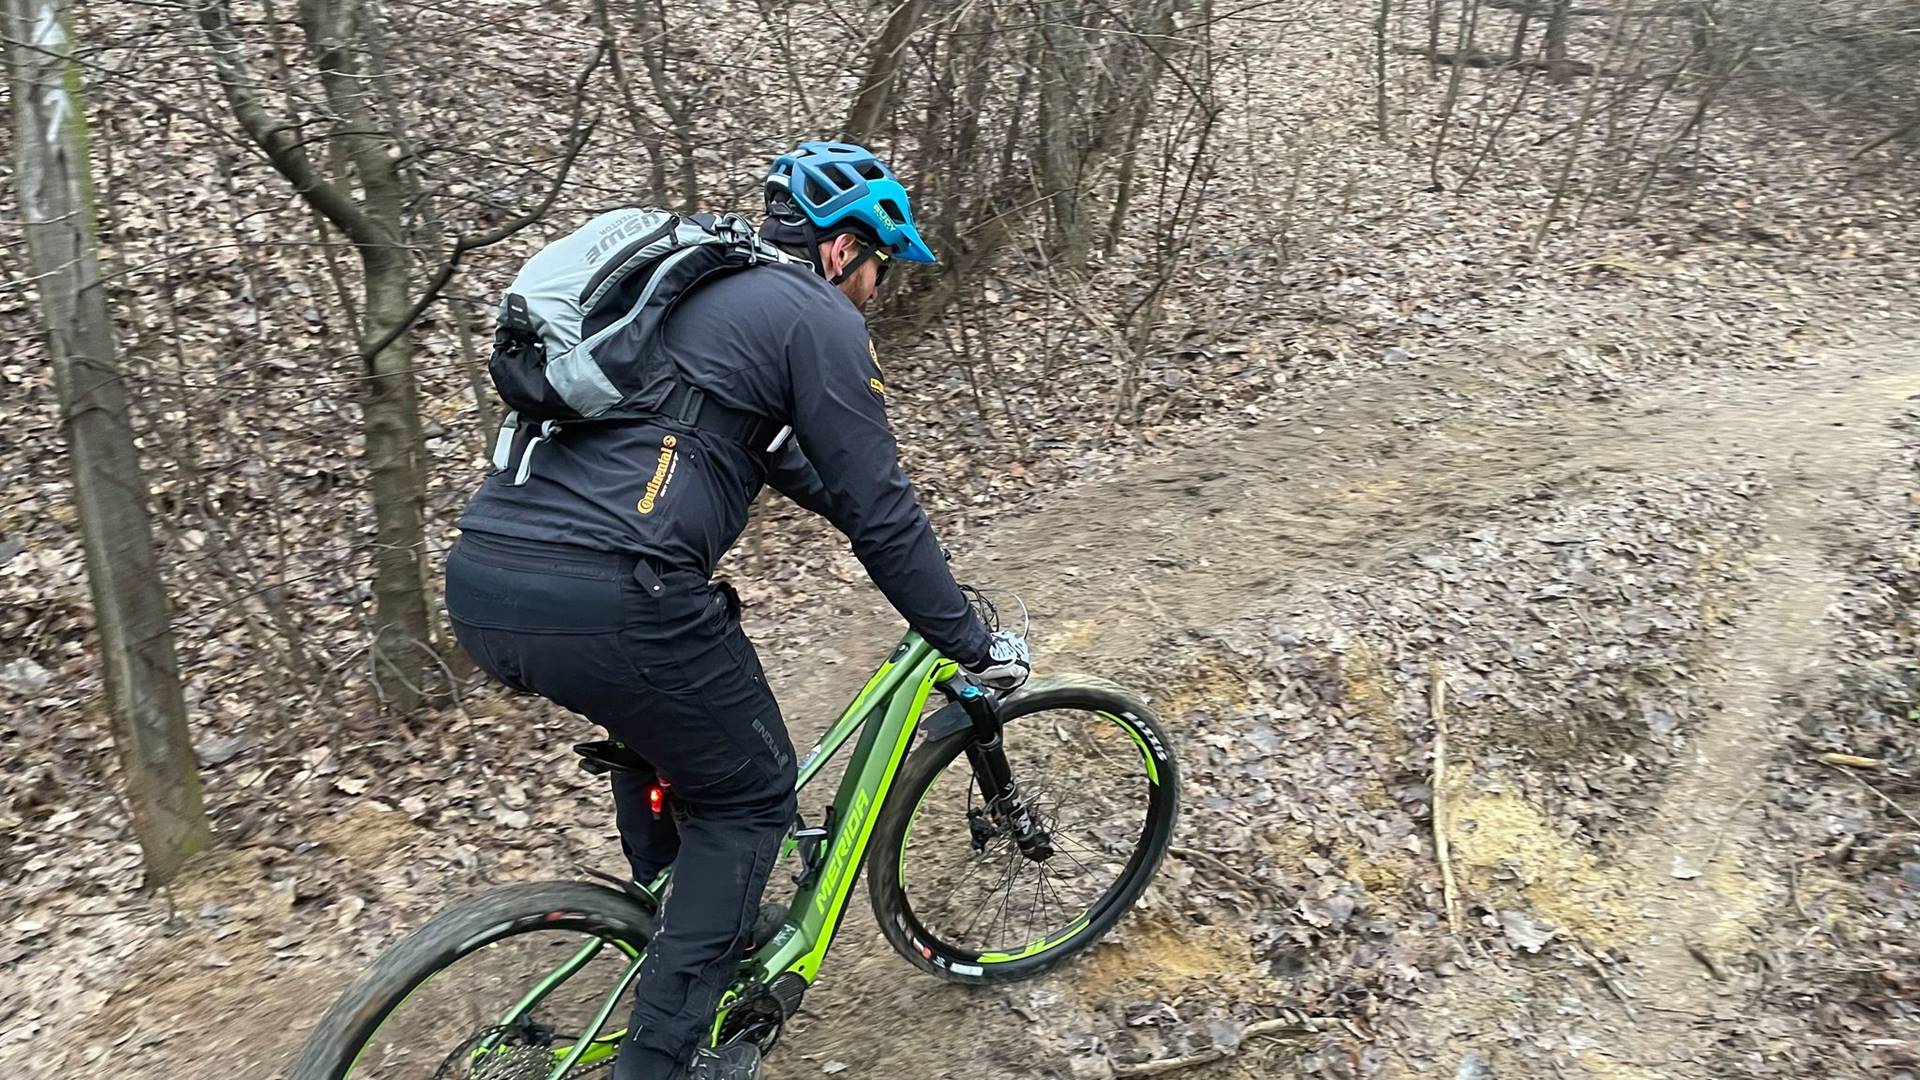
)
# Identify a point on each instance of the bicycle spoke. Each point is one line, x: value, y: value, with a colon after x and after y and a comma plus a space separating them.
x: 981, y: 910
x: 514, y: 1008
x: 1076, y: 786
x: 611, y: 1002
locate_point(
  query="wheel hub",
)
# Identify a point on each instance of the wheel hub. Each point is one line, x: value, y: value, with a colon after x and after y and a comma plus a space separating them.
x: 1010, y: 816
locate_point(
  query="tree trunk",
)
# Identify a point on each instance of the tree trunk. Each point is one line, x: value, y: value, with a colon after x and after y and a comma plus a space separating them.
x: 1469, y: 18
x: 1580, y: 129
x: 110, y: 492
x: 1380, y: 66
x: 1556, y: 44
x: 1519, y: 49
x: 643, y: 125
x: 1060, y: 70
x: 1145, y: 91
x: 1435, y: 8
x: 402, y: 642
x: 650, y: 22
x: 883, y: 63
x: 1705, y: 33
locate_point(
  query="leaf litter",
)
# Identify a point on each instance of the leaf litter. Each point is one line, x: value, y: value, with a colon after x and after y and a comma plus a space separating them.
x: 1566, y: 626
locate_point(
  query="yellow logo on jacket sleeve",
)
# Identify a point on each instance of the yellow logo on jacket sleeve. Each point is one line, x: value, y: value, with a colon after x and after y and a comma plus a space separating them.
x: 662, y: 474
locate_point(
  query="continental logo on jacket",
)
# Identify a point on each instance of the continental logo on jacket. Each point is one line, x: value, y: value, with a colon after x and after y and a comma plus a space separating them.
x: 662, y: 474
x: 874, y: 384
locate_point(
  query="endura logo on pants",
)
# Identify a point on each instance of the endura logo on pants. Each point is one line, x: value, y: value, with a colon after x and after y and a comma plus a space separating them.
x: 662, y: 474
x: 773, y: 747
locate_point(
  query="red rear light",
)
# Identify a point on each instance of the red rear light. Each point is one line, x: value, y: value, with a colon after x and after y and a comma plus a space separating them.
x: 656, y: 798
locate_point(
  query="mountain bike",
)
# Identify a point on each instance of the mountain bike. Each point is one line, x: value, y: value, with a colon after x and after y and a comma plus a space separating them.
x: 1014, y: 836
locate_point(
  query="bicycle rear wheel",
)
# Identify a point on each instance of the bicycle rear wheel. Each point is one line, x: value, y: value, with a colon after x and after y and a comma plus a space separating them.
x: 953, y: 890
x: 500, y: 987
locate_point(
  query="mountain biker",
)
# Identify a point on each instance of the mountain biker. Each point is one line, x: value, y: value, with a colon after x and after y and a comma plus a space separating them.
x: 590, y: 584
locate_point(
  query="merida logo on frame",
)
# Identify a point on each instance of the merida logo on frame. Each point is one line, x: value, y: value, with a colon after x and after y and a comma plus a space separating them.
x: 842, y: 850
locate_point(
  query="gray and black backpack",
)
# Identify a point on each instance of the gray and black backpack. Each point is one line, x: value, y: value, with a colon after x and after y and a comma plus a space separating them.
x: 579, y: 331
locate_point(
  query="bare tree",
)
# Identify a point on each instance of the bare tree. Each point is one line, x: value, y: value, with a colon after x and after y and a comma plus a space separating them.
x: 372, y: 210
x: 1463, y: 47
x: 644, y: 127
x: 1158, y: 25
x: 674, y: 99
x: 1558, y: 20
x: 110, y: 491
x: 1587, y: 101
x: 373, y: 223
x: 883, y: 64
x: 1063, y: 65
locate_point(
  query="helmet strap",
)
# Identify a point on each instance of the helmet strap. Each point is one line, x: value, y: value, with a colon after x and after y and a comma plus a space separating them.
x: 853, y: 267
x: 813, y: 246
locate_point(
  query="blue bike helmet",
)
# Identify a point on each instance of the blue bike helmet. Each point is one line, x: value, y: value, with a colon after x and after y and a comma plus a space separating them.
x: 841, y: 187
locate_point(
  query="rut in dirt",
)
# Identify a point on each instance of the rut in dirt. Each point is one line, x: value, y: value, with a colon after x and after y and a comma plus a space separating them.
x: 1693, y: 890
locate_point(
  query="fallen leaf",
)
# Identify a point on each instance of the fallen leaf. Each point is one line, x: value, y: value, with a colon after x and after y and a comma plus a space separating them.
x: 1524, y: 933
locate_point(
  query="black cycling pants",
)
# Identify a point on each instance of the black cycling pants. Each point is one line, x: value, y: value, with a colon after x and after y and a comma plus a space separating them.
x: 659, y: 660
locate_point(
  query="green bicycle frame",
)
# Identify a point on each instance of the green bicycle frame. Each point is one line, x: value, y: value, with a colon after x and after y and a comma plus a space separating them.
x: 886, y: 713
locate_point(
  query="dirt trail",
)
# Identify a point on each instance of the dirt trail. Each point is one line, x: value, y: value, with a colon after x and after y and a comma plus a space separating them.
x: 1121, y: 575
x: 1691, y: 891
x: 1701, y: 877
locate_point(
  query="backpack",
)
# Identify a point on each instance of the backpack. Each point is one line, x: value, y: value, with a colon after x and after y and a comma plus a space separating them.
x: 579, y: 331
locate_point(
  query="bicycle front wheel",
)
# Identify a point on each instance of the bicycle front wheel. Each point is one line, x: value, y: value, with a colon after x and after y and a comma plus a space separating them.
x: 518, y: 984
x: 956, y: 894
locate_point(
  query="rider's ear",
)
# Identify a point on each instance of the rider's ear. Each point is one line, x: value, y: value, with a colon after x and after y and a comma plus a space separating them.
x: 837, y: 252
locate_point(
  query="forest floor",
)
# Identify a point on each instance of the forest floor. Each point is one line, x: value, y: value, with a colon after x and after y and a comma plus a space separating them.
x: 1643, y: 498
x: 1641, y: 600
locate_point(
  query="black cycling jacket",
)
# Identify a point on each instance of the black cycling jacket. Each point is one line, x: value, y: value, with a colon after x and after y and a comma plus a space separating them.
x: 775, y: 340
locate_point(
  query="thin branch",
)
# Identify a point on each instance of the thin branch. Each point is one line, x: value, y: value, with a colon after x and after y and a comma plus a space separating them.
x: 1881, y: 795
x: 1296, y: 1025
x: 1902, y: 131
x: 1437, y: 706
x: 286, y: 154
x: 582, y: 134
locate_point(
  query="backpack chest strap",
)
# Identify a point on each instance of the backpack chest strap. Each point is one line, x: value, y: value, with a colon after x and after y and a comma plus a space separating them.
x: 686, y: 404
x: 690, y: 405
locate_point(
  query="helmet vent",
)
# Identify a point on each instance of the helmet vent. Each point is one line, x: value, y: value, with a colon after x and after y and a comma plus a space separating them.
x: 817, y: 192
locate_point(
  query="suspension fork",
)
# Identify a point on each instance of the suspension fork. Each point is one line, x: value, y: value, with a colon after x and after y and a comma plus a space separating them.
x: 987, y: 754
